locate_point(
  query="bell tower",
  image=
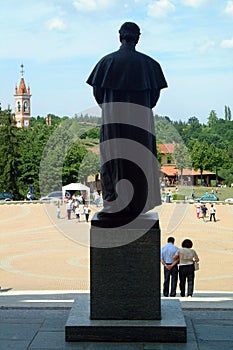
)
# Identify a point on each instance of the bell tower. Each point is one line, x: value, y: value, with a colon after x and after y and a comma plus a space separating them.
x: 22, y: 102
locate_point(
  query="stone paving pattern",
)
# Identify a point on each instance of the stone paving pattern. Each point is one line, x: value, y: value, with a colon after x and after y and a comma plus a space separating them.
x: 41, y: 253
x: 45, y: 329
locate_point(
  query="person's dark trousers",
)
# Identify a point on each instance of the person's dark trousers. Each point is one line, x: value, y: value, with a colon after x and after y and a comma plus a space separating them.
x: 87, y: 217
x: 212, y: 215
x: 69, y: 214
x: 186, y: 272
x: 173, y: 276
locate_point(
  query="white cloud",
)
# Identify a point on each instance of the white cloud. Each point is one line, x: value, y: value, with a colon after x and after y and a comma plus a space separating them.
x: 227, y: 44
x: 195, y: 3
x: 56, y: 23
x: 85, y: 5
x: 206, y: 46
x: 161, y: 8
x: 229, y: 8
x: 91, y: 5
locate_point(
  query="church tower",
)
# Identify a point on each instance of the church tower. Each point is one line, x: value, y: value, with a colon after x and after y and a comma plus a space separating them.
x: 22, y: 103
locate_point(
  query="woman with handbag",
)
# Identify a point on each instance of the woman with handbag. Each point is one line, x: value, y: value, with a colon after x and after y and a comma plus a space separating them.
x: 187, y: 257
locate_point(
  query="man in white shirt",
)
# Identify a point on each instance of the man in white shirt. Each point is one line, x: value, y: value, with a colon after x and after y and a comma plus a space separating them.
x: 170, y: 267
x: 212, y: 213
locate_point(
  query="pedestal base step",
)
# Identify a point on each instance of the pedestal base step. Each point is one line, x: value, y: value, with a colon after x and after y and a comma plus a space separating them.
x: 171, y: 328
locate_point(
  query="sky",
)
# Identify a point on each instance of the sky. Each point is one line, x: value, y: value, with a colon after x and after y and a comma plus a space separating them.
x: 60, y: 41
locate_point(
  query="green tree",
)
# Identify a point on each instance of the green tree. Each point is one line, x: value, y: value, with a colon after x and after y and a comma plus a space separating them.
x: 9, y: 153
x: 165, y: 131
x: 62, y: 156
x: 73, y: 160
x: 218, y: 158
x: 182, y: 158
x: 200, y: 156
x: 93, y: 133
x: 90, y: 166
x: 192, y: 130
x: 212, y: 119
x: 227, y: 113
x: 52, y: 160
x: 32, y: 143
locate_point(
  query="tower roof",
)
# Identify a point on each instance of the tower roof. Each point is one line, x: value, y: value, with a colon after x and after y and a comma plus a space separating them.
x: 22, y: 87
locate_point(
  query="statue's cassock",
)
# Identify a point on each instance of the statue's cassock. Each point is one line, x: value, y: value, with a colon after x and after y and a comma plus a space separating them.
x: 126, y: 84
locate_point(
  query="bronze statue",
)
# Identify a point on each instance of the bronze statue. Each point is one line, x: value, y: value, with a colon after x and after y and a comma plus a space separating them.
x: 126, y: 84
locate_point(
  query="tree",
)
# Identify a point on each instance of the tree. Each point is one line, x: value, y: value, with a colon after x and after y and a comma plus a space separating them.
x: 165, y: 131
x: 182, y: 158
x: 193, y: 121
x: 9, y: 154
x: 200, y: 156
x: 192, y: 130
x: 32, y: 142
x: 89, y: 166
x: 218, y: 158
x: 72, y: 163
x: 93, y: 133
x: 53, y: 157
x: 212, y: 120
x: 227, y: 113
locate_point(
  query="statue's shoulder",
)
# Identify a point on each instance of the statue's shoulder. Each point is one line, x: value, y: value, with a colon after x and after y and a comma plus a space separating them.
x: 148, y: 59
x: 108, y: 57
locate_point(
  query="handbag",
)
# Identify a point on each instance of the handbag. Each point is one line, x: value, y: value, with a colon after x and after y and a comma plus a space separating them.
x: 196, y: 266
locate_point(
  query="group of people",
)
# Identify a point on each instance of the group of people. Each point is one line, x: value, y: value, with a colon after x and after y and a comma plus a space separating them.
x: 73, y: 205
x: 178, y: 262
x: 201, y: 211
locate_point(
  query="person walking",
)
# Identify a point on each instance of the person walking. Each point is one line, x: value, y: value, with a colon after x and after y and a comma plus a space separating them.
x: 69, y: 209
x: 198, y: 209
x: 169, y: 195
x: 86, y: 212
x: 96, y: 198
x: 204, y: 211
x: 77, y: 213
x: 170, y: 267
x: 212, y: 213
x: 186, y: 256
x: 58, y: 210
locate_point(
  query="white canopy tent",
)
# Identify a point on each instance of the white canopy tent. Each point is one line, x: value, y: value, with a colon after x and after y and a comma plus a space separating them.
x: 76, y: 187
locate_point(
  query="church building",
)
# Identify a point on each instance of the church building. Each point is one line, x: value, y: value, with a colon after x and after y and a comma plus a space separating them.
x: 22, y: 103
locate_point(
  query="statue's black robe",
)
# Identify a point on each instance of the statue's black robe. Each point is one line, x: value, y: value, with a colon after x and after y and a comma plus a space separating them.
x: 126, y: 84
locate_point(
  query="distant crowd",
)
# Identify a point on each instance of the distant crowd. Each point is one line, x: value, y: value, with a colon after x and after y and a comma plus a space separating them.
x: 78, y: 205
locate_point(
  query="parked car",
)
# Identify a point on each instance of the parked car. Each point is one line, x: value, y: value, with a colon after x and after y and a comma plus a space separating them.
x: 207, y: 198
x: 229, y: 200
x: 53, y: 196
x: 6, y: 196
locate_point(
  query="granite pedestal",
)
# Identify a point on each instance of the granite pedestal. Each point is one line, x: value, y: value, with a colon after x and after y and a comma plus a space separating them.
x: 124, y: 302
x: 170, y: 329
x: 125, y: 270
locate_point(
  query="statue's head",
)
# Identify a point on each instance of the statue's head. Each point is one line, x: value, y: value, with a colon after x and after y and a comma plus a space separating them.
x: 129, y: 32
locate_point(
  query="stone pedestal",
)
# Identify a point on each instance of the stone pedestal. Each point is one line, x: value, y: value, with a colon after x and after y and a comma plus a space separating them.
x: 170, y: 329
x: 124, y: 304
x: 125, y: 270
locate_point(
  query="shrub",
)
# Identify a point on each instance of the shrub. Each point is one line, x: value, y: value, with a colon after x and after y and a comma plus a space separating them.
x: 178, y: 196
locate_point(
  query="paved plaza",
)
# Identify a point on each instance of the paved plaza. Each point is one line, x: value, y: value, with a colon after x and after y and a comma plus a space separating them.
x: 44, y: 264
x: 41, y: 252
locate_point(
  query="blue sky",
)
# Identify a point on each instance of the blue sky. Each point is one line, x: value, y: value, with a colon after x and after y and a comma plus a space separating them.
x: 60, y: 41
